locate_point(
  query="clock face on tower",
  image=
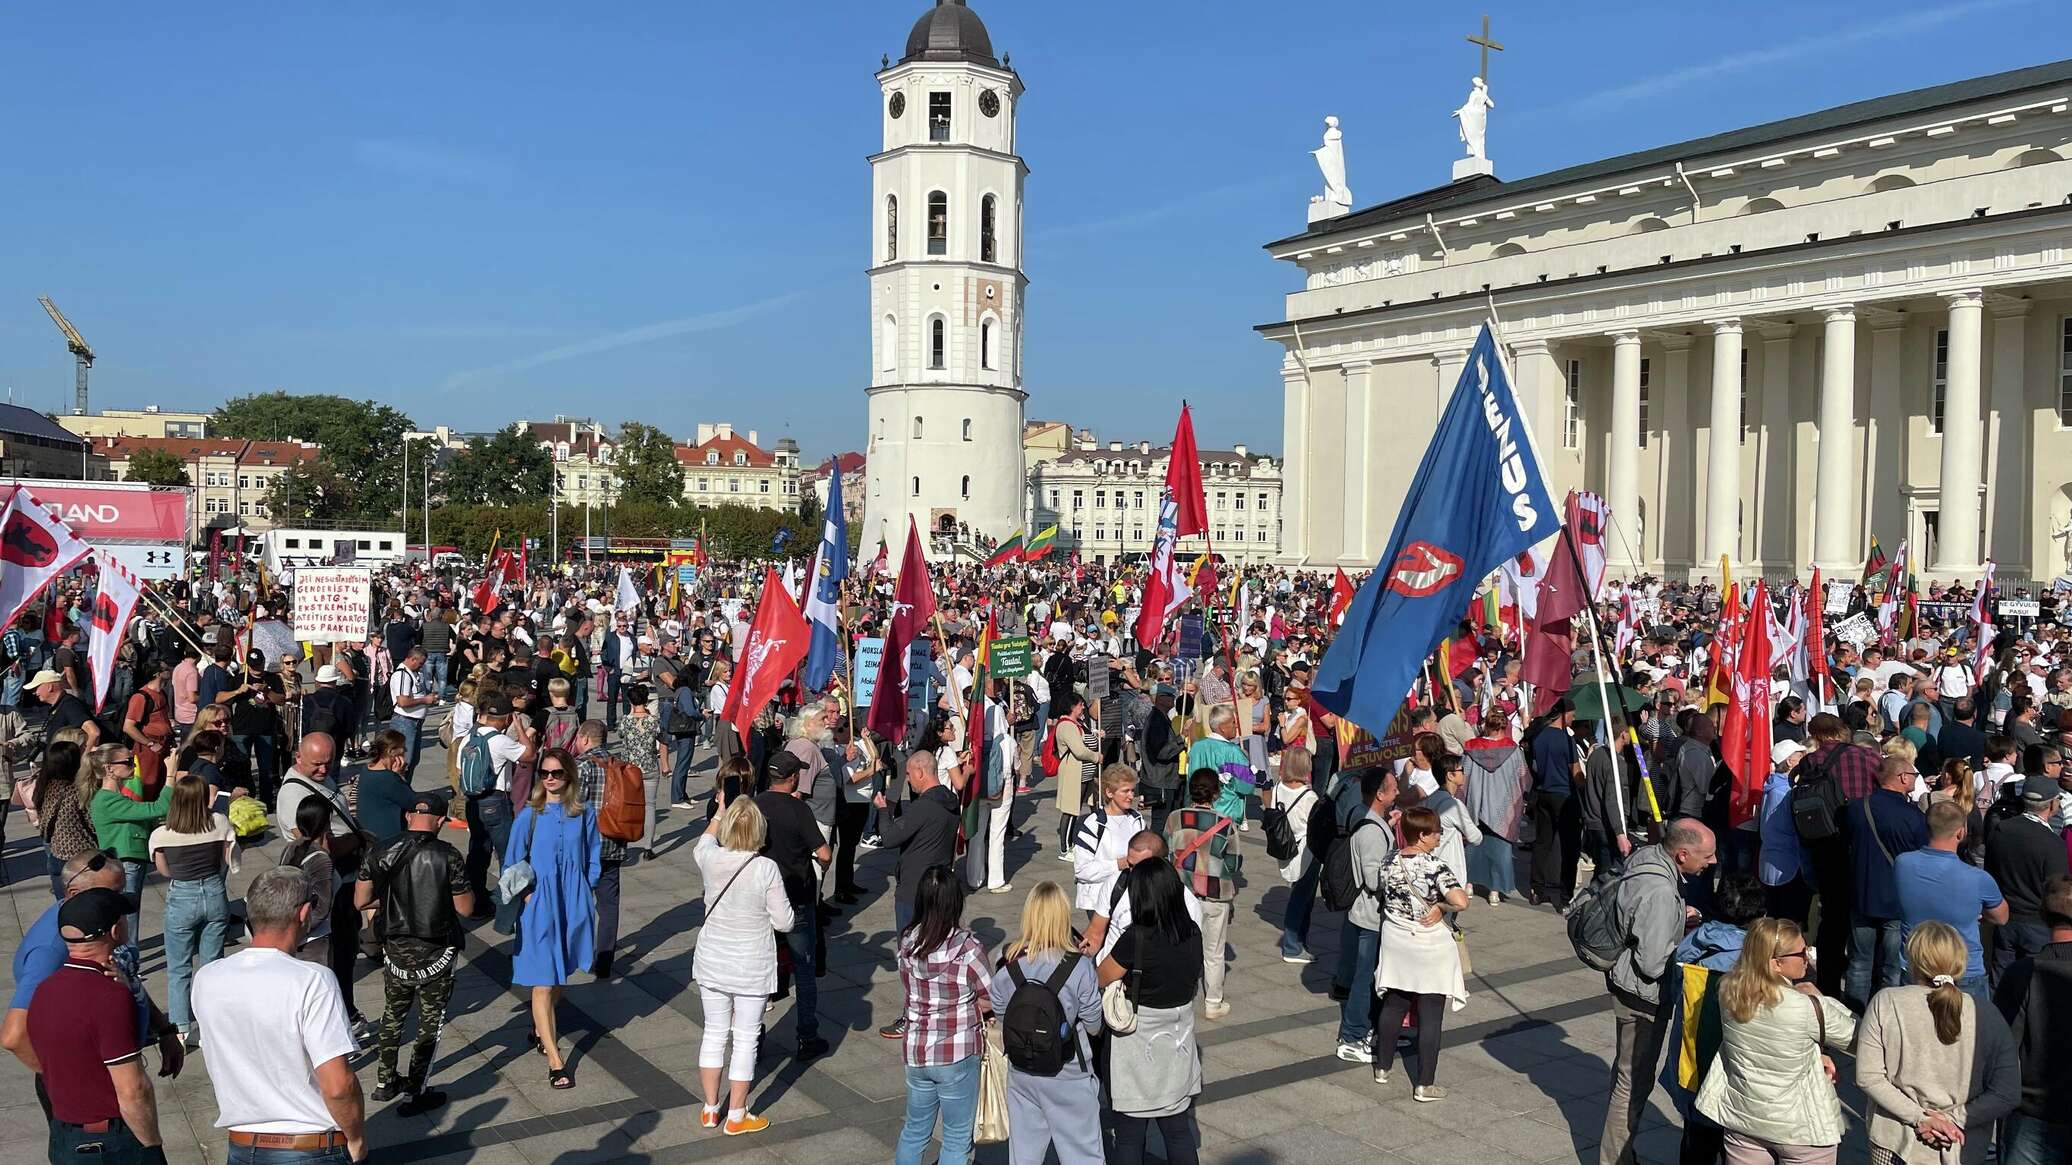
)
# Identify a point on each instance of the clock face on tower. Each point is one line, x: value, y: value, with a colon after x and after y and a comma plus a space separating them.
x: 989, y: 103
x: 898, y: 104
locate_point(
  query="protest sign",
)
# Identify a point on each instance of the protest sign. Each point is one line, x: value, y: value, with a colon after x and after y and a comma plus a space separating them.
x: 1014, y: 656
x: 1839, y: 594
x: 1857, y: 629
x: 869, y: 654
x: 331, y: 603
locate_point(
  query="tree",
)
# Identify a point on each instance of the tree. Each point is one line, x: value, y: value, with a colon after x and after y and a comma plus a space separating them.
x: 810, y: 512
x: 157, y: 467
x: 504, y: 469
x: 648, y: 470
x: 359, y: 476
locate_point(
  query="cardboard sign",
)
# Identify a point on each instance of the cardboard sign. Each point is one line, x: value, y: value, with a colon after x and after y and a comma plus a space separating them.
x: 1365, y: 749
x: 1097, y: 678
x: 1839, y: 594
x: 1857, y: 629
x: 331, y: 603
x: 274, y: 639
x: 2021, y: 608
x: 869, y: 654
x: 1647, y: 608
x: 1014, y: 656
x: 1192, y: 636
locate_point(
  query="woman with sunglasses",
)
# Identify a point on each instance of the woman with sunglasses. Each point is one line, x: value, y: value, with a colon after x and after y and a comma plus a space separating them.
x: 558, y: 835
x: 124, y: 825
x: 1771, y: 1087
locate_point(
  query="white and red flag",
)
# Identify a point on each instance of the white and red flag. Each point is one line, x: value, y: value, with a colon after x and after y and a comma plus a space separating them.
x: 1342, y: 593
x: 35, y: 548
x: 489, y: 592
x: 1982, y: 629
x: 114, y: 602
x: 778, y: 638
x: 1182, y: 511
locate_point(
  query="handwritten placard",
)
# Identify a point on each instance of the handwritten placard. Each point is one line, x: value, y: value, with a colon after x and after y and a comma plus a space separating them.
x: 1857, y: 629
x: 331, y: 603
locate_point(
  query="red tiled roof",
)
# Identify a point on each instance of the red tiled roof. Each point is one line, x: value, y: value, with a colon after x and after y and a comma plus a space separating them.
x: 850, y: 463
x: 726, y: 446
x: 196, y: 448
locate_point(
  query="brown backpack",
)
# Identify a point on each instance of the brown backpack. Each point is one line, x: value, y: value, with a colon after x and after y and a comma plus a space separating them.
x: 624, y: 816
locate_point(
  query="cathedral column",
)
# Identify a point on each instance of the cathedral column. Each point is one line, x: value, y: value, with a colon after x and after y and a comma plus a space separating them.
x: 1775, y: 521
x: 1963, y: 443
x: 1294, y: 462
x: 1836, y: 488
x: 1723, y: 458
x: 1352, y: 546
x: 1622, y: 486
x: 1672, y: 529
x: 2008, y: 487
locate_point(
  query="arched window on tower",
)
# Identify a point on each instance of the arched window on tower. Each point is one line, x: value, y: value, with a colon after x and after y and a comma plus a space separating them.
x: 938, y: 223
x: 967, y: 428
x: 936, y: 343
x: 987, y: 250
x: 985, y: 344
x: 891, y: 227
x: 917, y: 428
x: 888, y: 342
x: 965, y: 487
x: 917, y: 487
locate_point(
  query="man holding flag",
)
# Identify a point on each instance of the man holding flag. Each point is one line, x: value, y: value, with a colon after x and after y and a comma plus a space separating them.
x: 1479, y: 499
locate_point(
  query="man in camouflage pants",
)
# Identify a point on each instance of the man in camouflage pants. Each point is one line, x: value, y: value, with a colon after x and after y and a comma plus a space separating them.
x: 420, y: 884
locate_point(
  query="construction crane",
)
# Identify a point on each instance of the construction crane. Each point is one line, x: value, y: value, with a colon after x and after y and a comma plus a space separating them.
x: 82, y: 355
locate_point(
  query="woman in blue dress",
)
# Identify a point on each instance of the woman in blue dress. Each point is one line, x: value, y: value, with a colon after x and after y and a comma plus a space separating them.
x: 556, y: 936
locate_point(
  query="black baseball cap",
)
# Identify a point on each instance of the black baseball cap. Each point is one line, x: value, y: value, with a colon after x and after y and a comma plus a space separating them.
x: 430, y: 801
x: 92, y: 914
x: 786, y: 765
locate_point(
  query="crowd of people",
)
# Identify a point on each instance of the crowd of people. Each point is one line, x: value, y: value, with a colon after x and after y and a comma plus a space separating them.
x: 1899, y: 901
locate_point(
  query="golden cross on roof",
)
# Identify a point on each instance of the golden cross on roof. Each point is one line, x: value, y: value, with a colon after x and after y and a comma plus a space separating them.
x: 1487, y: 44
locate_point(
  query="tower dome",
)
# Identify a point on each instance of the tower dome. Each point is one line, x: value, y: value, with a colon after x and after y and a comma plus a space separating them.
x: 950, y: 31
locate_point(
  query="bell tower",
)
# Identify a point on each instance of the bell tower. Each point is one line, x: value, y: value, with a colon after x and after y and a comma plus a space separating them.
x: 946, y: 290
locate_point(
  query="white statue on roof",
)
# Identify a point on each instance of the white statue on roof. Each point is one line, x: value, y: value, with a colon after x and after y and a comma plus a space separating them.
x: 1337, y: 197
x: 1473, y: 116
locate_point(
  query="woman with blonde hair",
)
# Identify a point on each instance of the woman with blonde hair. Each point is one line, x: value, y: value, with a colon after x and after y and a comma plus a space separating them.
x: 1101, y: 843
x: 1957, y: 785
x: 1061, y: 1108
x: 1255, y: 719
x: 1937, y: 1068
x: 556, y: 926
x: 735, y: 963
x: 1770, y: 1087
x: 196, y: 851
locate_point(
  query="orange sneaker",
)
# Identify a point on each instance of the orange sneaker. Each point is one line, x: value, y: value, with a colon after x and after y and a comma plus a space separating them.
x: 708, y: 1118
x: 749, y: 1123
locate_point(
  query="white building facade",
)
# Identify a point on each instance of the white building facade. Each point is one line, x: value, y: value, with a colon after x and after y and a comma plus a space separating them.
x: 946, y: 290
x: 1773, y: 344
x: 1104, y: 501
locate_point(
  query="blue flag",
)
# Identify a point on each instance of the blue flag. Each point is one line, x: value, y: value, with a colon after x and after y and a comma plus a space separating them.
x: 1478, y: 500
x: 824, y: 594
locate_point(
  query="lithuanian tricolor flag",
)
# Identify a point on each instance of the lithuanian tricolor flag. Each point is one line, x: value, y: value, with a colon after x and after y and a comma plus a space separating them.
x: 971, y: 813
x: 1010, y: 551
x: 1041, y: 543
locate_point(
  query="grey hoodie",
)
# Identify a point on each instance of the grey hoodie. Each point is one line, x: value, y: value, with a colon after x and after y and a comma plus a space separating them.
x: 1648, y: 903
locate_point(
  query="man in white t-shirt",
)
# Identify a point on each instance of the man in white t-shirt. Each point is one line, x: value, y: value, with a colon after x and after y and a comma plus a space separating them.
x: 1111, y: 919
x: 411, y: 690
x: 509, y: 741
x: 280, y: 1050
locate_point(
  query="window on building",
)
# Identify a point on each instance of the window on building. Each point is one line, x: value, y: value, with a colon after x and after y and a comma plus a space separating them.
x: 1137, y: 499
x: 1218, y: 534
x: 2065, y: 377
x: 734, y: 485
x: 1262, y: 535
x: 888, y: 344
x: 291, y: 543
x: 917, y: 487
x: 891, y: 227
x: 712, y: 457
x: 938, y: 117
x: 583, y: 482
x: 938, y: 223
x: 1237, y: 501
x: 1940, y: 387
x: 244, y: 481
x: 987, y: 251
x: 1078, y: 498
x: 762, y: 487
x: 740, y: 458
x: 917, y: 428
x: 1100, y: 499
x: 1644, y: 370
x: 964, y: 487
x: 1100, y: 533
x: 1572, y: 406
x: 967, y: 428
x: 702, y: 487
x: 1053, y: 499
x: 1221, y: 499
x: 985, y: 344
x: 1262, y: 502
x: 937, y: 343
x: 1136, y: 533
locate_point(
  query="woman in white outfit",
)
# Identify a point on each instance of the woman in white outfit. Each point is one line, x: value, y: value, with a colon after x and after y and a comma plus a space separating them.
x: 1102, y: 842
x: 1420, y: 961
x: 736, y: 960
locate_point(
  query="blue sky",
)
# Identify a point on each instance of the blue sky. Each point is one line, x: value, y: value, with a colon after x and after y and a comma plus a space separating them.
x: 659, y: 211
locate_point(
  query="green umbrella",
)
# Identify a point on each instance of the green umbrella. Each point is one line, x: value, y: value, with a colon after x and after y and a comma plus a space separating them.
x: 1589, y: 698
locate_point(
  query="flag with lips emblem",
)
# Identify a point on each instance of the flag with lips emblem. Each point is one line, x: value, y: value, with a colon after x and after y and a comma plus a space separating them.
x: 1478, y: 500
x: 35, y: 548
x: 115, y: 600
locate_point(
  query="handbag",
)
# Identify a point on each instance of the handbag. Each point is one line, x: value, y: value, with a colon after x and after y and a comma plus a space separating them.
x: 1117, y: 1010
x: 989, y: 1125
x: 514, y: 884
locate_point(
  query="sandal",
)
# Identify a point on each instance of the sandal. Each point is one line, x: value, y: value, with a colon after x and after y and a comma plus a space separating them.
x: 532, y: 1043
x: 560, y: 1078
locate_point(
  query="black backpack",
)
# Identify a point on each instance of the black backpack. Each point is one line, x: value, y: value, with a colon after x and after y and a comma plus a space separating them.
x: 1323, y: 824
x: 1280, y: 832
x: 1816, y: 801
x: 1035, y: 1032
x: 1341, y: 878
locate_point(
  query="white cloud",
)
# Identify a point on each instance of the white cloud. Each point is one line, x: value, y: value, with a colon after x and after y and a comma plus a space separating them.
x: 610, y: 342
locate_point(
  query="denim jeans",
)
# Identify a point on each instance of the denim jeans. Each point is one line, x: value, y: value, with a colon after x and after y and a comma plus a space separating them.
x: 413, y: 742
x: 56, y: 869
x: 1302, y: 902
x: 1875, y: 945
x: 197, y: 920
x: 950, y: 1089
x: 133, y: 886
x: 2015, y: 940
x: 435, y: 670
x: 804, y: 972
x: 2024, y: 1140
x: 246, y: 1155
x: 117, y: 1146
x: 680, y: 751
x: 489, y: 831
x: 1356, y: 1014
x: 258, y: 749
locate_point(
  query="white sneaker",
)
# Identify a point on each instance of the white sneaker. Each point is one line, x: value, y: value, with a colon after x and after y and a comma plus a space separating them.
x: 1355, y: 1053
x: 1495, y: 899
x: 1426, y: 1093
x: 1300, y: 957
x: 1381, y: 1075
x: 1216, y: 1008
x: 870, y: 842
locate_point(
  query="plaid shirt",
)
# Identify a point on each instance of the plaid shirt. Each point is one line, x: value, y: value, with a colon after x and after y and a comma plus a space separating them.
x: 943, y: 993
x: 1855, y: 768
x: 590, y: 771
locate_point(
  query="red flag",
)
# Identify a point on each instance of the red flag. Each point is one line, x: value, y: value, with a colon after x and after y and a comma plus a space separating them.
x: 35, y: 548
x: 1551, y: 640
x: 778, y: 638
x: 489, y: 592
x: 1744, y: 738
x: 1341, y: 596
x: 1461, y: 654
x: 913, y: 605
x: 1816, y: 638
x: 1183, y: 480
